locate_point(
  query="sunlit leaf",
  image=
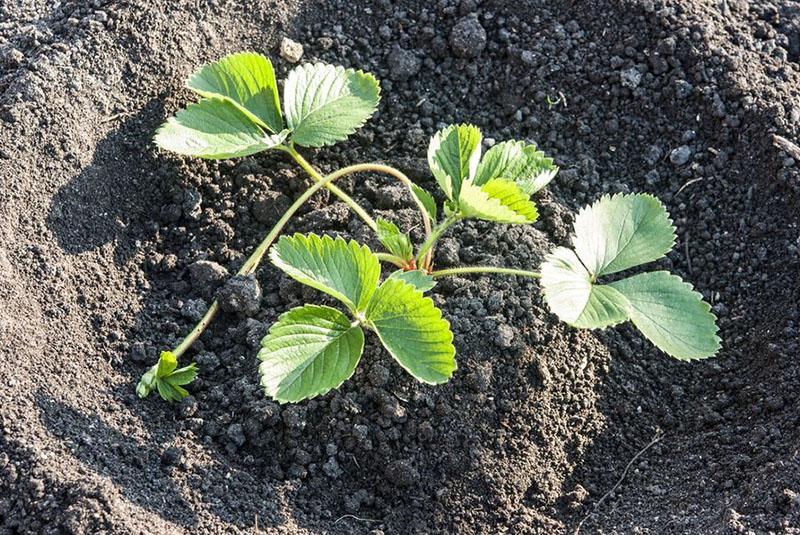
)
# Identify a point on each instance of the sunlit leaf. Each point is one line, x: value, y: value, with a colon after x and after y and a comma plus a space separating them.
x: 412, y: 329
x: 214, y: 128
x: 622, y: 231
x: 671, y: 314
x: 396, y: 242
x: 248, y: 80
x: 571, y: 295
x: 518, y: 162
x: 498, y: 200
x: 325, y: 104
x: 453, y: 156
x: 309, y: 351
x: 345, y: 270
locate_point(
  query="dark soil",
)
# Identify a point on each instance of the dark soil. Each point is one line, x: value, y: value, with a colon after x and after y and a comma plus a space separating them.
x: 101, y: 235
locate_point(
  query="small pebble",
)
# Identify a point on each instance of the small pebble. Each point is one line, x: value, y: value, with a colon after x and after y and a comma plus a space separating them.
x: 290, y: 50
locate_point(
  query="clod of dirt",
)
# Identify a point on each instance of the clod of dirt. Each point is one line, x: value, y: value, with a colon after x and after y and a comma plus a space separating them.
x: 206, y: 276
x: 240, y: 295
x: 468, y: 38
x: 403, y: 64
x: 290, y: 50
x: 680, y: 155
x: 401, y: 473
x: 269, y: 207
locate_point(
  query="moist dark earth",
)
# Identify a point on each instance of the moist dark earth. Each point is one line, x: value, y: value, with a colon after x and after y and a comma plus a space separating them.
x: 110, y: 250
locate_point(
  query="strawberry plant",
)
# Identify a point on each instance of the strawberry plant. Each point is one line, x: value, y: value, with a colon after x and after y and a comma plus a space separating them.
x: 313, y: 348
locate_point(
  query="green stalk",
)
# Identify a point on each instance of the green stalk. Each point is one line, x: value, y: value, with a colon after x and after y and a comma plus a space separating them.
x: 485, y: 269
x: 392, y: 259
x: 251, y: 264
x: 314, y: 174
x: 430, y: 241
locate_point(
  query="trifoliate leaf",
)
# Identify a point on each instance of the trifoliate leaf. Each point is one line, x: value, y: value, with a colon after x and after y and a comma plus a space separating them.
x: 325, y: 104
x: 345, y: 270
x: 498, y: 200
x: 396, y: 242
x: 622, y: 231
x: 570, y: 294
x: 453, y: 156
x: 309, y: 351
x: 166, y: 378
x: 427, y: 201
x: 671, y: 314
x: 248, y: 80
x: 214, y: 128
x: 412, y: 329
x: 516, y: 162
x: 418, y: 279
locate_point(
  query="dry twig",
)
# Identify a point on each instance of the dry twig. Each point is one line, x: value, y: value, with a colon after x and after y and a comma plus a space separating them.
x: 656, y: 438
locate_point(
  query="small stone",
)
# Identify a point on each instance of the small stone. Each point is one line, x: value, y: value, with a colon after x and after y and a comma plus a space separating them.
x: 468, y: 38
x: 401, y: 473
x: 631, y: 78
x: 37, y: 488
x: 680, y: 155
x: 138, y: 352
x: 504, y: 337
x: 240, y: 295
x: 290, y: 50
x: 403, y: 64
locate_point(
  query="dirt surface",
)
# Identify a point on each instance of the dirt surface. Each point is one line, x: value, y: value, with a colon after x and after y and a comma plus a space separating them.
x: 101, y: 235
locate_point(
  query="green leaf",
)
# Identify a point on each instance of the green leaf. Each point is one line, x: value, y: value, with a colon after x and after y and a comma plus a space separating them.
x: 453, y: 156
x: 167, y: 363
x: 427, y: 201
x: 396, y: 242
x: 412, y: 329
x: 498, y: 200
x: 570, y: 294
x: 246, y: 79
x: 309, y: 351
x: 183, y: 376
x: 345, y: 270
x: 416, y: 278
x: 325, y: 104
x: 214, y: 128
x: 622, y: 231
x: 166, y: 379
x: 671, y: 314
x: 516, y: 162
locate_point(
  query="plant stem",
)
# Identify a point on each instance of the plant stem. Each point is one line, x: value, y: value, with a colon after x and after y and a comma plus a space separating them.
x: 392, y: 259
x: 485, y: 269
x: 436, y: 233
x: 251, y: 264
x: 314, y: 174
